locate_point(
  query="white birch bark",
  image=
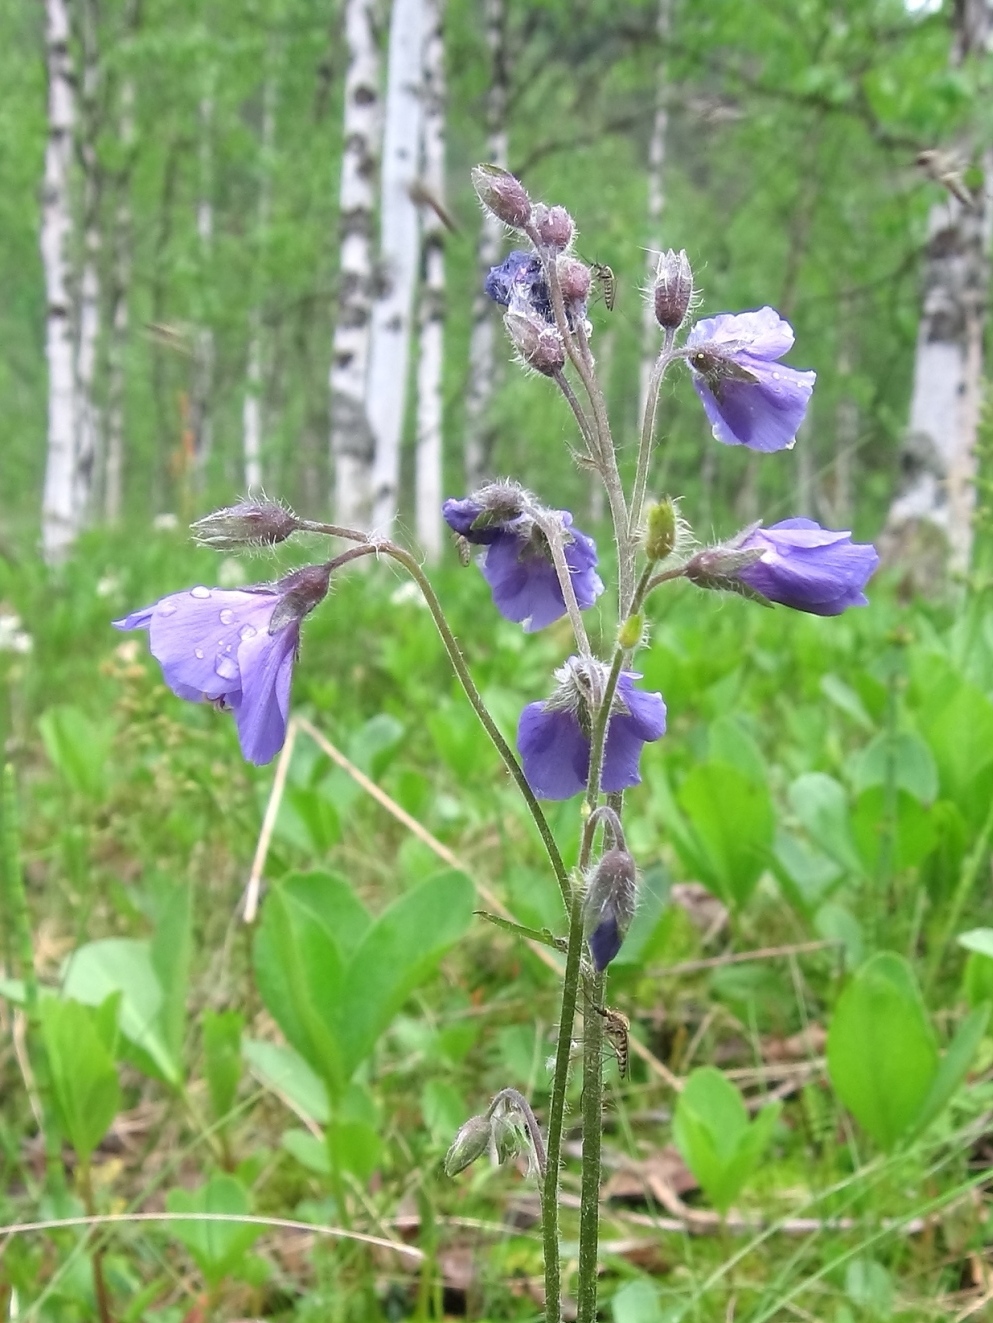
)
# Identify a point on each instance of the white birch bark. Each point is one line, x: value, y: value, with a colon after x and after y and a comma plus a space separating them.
x: 430, y: 450
x: 119, y: 315
x: 251, y: 412
x: 58, y: 522
x: 351, y: 433
x: 389, y: 348
x: 203, y: 340
x: 939, y: 457
x: 482, y: 336
x: 88, y: 419
x: 650, y: 333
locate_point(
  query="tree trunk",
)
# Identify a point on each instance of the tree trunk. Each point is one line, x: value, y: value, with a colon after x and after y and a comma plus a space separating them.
x: 88, y: 420
x: 58, y: 506
x: 351, y: 432
x: 251, y: 412
x: 389, y: 349
x: 938, y: 460
x: 119, y: 314
x: 656, y: 202
x: 430, y: 450
x: 479, y: 439
x: 201, y: 423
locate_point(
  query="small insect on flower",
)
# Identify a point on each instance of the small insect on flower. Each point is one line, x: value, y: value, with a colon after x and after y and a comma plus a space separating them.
x: 617, y: 1031
x: 608, y: 282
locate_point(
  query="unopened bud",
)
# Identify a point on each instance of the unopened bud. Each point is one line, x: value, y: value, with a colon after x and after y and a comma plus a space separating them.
x: 718, y: 567
x: 503, y: 194
x: 471, y: 1142
x: 299, y: 592
x: 629, y: 634
x: 673, y: 292
x: 574, y: 279
x: 662, y: 527
x: 247, y: 524
x: 539, y: 345
x: 608, y: 907
x: 553, y: 226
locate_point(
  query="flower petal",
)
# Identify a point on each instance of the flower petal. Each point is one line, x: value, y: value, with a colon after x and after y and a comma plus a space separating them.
x: 554, y: 752
x: 764, y: 414
x: 761, y: 332
x: 267, y: 670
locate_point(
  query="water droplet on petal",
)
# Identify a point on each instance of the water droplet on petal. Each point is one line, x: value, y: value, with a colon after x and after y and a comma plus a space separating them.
x: 247, y: 632
x: 227, y: 668
x: 227, y: 615
x: 198, y: 653
x: 200, y: 591
x: 167, y: 609
x: 775, y: 376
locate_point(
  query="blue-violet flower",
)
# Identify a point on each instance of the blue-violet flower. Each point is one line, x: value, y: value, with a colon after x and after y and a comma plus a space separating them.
x: 519, y: 282
x: 808, y: 567
x: 750, y: 398
x: 553, y: 737
x: 235, y: 648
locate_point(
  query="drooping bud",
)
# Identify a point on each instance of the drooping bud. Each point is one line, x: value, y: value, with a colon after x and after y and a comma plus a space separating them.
x: 247, y: 524
x: 608, y: 907
x: 471, y: 1142
x: 503, y: 194
x: 629, y: 634
x: 574, y: 279
x: 719, y: 567
x: 539, y: 345
x: 299, y: 592
x: 673, y: 290
x: 553, y: 226
x: 661, y: 529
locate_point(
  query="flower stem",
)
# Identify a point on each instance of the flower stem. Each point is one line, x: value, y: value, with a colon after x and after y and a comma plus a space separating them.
x: 552, y: 529
x: 589, y: 1210
x: 647, y: 443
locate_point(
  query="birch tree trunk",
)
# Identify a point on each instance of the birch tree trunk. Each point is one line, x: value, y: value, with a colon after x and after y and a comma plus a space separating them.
x: 58, y: 523
x: 939, y: 459
x: 119, y: 313
x: 251, y: 412
x: 351, y: 432
x: 203, y: 343
x: 482, y: 337
x: 430, y: 450
x: 88, y: 420
x: 389, y: 349
x: 656, y: 203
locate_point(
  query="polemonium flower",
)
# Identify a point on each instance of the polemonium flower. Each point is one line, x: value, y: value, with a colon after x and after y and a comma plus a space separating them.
x: 519, y: 282
x: 517, y: 561
x: 750, y: 398
x: 553, y: 737
x: 235, y: 648
x: 796, y: 563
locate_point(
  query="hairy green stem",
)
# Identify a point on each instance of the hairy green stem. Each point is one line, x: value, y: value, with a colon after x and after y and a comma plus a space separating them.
x: 552, y: 529
x: 589, y: 1211
x: 582, y: 422
x: 647, y: 443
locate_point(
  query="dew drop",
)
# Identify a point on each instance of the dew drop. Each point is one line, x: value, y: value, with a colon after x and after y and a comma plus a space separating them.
x: 227, y: 615
x: 227, y: 668
x: 775, y: 376
x: 167, y: 609
x: 198, y: 653
x: 200, y: 591
x: 247, y: 632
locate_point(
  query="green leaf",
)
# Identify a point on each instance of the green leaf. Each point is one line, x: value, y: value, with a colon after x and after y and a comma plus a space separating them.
x: 81, y: 1065
x: 286, y: 1072
x: 898, y: 757
x: 373, y: 747
x: 637, y: 1302
x: 846, y: 700
x: 653, y: 896
x: 217, y: 1247
x: 960, y: 733
x: 222, y: 1058
x: 308, y: 1150
x: 881, y: 1050
x: 78, y: 748
x: 979, y: 940
x: 908, y: 835
x: 822, y: 806
x: 331, y: 900
x: 713, y: 1133
x: 357, y: 1146
x: 171, y: 950
x: 954, y: 1065
x: 732, y: 824
x: 730, y: 743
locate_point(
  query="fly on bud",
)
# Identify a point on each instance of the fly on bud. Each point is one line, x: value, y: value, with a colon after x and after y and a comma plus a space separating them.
x: 608, y: 907
x: 247, y: 524
x: 673, y: 289
x: 471, y: 1142
x: 503, y: 194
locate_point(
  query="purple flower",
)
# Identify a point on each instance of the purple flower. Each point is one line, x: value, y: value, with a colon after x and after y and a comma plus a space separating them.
x: 553, y: 737
x: 808, y: 567
x: 520, y: 280
x: 517, y: 561
x: 750, y: 398
x: 235, y: 648
x: 608, y: 907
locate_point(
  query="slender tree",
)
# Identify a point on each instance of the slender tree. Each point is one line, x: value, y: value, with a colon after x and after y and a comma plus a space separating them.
x: 251, y: 412
x: 58, y: 505
x: 482, y: 337
x: 428, y: 475
x: 119, y: 315
x: 351, y: 432
x: 656, y: 201
x: 203, y: 341
x: 88, y: 414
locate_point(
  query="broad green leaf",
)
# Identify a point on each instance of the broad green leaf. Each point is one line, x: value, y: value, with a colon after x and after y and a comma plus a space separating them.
x: 822, y: 806
x: 356, y: 1146
x: 217, y: 1247
x: 977, y: 979
x: 287, y: 1073
x: 172, y: 953
x: 78, y: 748
x: 729, y: 742
x: 713, y: 1133
x: 308, y: 820
x: 881, y: 1050
x: 124, y: 965
x: 653, y: 896
x: 900, y: 758
x: 374, y: 745
x: 845, y: 698
x: 960, y: 733
x: 222, y: 1058
x: 637, y: 1302
x: 82, y: 1070
x: 905, y: 836
x: 954, y: 1065
x: 836, y: 923
x: 809, y: 873
x: 332, y: 901
x: 979, y: 940
x: 308, y: 1150
x: 732, y: 824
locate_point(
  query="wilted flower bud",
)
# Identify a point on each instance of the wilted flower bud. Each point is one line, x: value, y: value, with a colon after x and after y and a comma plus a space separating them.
x: 553, y: 226
x: 629, y: 634
x: 249, y: 523
x: 673, y: 291
x: 503, y: 194
x: 471, y: 1142
x: 662, y: 528
x: 609, y: 905
x: 539, y: 345
x: 574, y: 279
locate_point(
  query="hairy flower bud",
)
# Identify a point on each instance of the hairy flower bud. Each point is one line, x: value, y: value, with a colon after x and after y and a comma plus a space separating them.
x: 553, y: 226
x: 503, y: 194
x: 608, y: 907
x: 249, y: 523
x: 673, y: 290
x: 662, y: 528
x: 471, y: 1142
x: 629, y: 634
x: 574, y: 279
x: 539, y: 345
x: 720, y: 567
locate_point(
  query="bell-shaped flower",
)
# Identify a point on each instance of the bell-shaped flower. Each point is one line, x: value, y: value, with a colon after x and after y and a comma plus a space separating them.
x: 519, y: 281
x: 517, y: 560
x: 235, y: 648
x: 750, y: 398
x: 553, y: 737
x: 809, y: 568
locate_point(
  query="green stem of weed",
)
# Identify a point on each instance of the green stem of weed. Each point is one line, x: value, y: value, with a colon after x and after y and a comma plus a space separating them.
x: 96, y: 1258
x: 966, y: 882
